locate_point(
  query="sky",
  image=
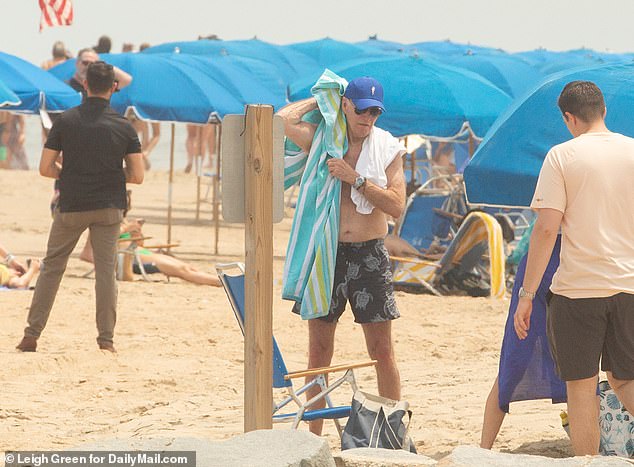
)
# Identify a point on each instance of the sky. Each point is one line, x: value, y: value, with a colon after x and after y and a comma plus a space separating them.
x: 508, y: 24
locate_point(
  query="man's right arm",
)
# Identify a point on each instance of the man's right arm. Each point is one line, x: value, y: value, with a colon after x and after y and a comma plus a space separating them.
x: 134, y: 168
x: 299, y: 132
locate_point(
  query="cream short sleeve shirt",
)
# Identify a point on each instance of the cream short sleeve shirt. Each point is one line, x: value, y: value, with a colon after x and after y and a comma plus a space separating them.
x: 590, y: 179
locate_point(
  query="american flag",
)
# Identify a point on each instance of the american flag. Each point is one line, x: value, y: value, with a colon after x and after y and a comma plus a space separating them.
x: 56, y: 13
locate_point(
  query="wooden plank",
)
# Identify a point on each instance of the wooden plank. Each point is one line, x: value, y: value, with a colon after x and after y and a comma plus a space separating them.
x: 258, y: 349
x: 329, y: 369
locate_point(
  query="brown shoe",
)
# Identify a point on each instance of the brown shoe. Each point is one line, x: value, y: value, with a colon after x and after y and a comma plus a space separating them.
x: 28, y: 344
x: 109, y: 346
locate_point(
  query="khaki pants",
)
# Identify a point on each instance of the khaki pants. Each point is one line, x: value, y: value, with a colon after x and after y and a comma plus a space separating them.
x: 104, y: 225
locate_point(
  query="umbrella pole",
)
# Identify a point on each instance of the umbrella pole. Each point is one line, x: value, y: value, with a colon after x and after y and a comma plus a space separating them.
x: 169, y: 191
x: 216, y: 190
x: 199, y: 169
x: 471, y: 145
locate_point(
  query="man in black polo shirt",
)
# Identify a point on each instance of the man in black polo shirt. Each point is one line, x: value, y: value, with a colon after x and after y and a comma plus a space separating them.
x: 95, y: 141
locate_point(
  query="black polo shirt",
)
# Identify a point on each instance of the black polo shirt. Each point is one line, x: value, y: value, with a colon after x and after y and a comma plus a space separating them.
x: 94, y: 140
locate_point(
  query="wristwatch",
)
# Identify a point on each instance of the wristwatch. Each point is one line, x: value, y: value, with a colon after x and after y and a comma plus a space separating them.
x: 523, y: 293
x: 358, y: 182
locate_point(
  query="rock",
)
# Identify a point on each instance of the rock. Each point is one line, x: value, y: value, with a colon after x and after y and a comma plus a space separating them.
x: 261, y: 448
x: 467, y: 456
x: 373, y: 457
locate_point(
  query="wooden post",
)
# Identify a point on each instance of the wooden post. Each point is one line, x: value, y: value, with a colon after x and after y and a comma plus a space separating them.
x: 216, y: 188
x: 258, y: 348
x: 169, y: 191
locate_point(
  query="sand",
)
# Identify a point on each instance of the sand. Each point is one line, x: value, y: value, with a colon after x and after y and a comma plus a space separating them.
x: 179, y: 366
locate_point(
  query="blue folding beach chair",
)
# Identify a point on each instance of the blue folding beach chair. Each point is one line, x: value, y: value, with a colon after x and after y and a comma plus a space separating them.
x: 282, y: 379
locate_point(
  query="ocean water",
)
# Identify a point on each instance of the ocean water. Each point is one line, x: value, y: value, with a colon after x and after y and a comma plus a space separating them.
x: 159, y: 157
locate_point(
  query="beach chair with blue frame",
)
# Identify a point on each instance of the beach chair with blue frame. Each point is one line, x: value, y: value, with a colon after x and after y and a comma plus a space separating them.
x: 233, y: 285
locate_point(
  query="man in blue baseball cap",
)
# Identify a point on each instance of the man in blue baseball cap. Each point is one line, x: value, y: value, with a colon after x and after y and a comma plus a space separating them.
x: 372, y: 189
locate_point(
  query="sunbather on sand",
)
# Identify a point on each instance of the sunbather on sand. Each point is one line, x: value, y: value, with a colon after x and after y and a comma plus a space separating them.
x: 155, y: 262
x: 14, y: 278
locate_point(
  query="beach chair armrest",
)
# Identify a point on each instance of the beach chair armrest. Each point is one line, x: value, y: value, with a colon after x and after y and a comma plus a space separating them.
x: 328, y: 369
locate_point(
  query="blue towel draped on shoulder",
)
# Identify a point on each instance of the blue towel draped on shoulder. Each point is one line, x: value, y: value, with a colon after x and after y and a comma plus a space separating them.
x: 527, y: 370
x: 312, y: 246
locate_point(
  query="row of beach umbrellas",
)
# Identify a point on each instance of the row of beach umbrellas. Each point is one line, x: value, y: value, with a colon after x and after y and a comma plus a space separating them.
x: 433, y: 89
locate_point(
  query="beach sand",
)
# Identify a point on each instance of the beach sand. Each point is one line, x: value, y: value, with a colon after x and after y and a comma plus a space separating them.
x: 179, y: 366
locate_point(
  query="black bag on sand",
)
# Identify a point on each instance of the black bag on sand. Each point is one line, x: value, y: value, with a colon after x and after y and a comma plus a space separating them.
x: 377, y: 422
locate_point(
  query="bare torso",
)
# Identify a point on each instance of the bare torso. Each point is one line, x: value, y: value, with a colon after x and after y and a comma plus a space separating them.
x: 353, y: 226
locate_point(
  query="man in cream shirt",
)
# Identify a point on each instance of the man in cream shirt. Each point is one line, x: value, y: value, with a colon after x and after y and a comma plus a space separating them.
x: 586, y: 187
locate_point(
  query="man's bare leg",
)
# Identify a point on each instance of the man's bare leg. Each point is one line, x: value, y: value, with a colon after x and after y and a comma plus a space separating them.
x: 624, y: 390
x: 493, y: 418
x: 321, y: 344
x: 378, y: 339
x: 583, y: 416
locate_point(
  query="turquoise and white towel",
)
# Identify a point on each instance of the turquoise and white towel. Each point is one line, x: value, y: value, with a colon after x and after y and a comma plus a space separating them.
x: 312, y: 247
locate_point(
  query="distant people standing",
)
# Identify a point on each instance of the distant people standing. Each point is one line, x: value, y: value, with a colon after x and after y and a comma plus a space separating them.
x: 15, y: 143
x: 101, y: 153
x: 104, y: 45
x: 60, y: 55
x: 144, y: 46
x: 127, y: 47
x: 148, y: 142
x: 84, y: 58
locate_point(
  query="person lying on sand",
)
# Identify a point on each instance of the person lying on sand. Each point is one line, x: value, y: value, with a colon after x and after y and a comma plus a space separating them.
x: 152, y: 261
x: 14, y: 278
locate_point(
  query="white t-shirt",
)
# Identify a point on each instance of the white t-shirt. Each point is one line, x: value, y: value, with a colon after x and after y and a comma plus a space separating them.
x: 591, y: 180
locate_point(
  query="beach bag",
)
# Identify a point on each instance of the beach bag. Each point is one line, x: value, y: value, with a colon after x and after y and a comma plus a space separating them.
x: 616, y: 425
x: 377, y: 422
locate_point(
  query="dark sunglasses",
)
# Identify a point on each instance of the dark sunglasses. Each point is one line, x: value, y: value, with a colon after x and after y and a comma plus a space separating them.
x: 374, y: 111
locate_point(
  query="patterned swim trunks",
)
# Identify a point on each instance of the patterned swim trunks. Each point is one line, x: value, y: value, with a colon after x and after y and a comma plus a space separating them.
x: 362, y: 277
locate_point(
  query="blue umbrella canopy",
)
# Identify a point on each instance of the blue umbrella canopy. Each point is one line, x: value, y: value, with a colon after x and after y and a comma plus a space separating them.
x: 511, y: 74
x: 425, y: 97
x: 35, y: 88
x: 329, y: 52
x: 290, y: 63
x: 504, y: 169
x: 384, y: 46
x: 549, y: 61
x: 7, y: 97
x: 182, y: 88
x: 444, y: 48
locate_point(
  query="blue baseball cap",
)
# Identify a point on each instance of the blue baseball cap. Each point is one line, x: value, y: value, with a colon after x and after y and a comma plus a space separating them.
x: 365, y: 92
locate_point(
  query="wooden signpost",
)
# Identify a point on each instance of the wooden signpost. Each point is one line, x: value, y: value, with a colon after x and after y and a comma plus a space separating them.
x: 252, y: 193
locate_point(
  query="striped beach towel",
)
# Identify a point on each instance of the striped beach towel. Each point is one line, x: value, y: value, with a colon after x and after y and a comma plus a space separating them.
x: 312, y: 247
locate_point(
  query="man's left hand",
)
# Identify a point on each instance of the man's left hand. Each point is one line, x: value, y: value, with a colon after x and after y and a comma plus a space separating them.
x: 522, y: 318
x: 340, y: 169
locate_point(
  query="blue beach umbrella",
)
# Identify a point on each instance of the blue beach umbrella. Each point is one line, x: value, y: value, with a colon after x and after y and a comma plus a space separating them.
x: 384, y: 46
x: 7, y: 97
x: 425, y: 97
x: 504, y: 169
x: 549, y: 61
x: 444, y: 48
x: 35, y: 88
x: 289, y: 63
x: 511, y: 74
x: 329, y: 52
x: 182, y: 88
